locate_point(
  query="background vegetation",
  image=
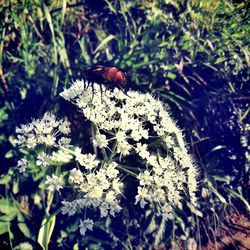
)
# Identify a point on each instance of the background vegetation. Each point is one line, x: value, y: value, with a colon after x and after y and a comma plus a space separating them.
x: 193, y: 54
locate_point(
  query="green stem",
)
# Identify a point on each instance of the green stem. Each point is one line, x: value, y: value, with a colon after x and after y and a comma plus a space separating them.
x: 124, y: 169
x: 49, y: 218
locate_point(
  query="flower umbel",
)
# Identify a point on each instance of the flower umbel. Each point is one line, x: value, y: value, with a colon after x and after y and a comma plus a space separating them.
x: 44, y: 132
x: 139, y: 124
x: 132, y: 135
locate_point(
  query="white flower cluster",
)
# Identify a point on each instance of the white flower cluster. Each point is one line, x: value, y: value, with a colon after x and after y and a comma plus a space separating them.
x: 130, y: 132
x: 54, y: 183
x: 99, y: 189
x: 44, y: 131
x: 139, y: 124
x: 43, y: 135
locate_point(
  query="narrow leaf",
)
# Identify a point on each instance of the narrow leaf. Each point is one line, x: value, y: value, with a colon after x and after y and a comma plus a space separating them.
x: 104, y: 43
x: 46, y: 230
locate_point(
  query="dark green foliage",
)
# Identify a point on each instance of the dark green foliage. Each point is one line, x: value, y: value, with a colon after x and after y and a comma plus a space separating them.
x: 193, y: 54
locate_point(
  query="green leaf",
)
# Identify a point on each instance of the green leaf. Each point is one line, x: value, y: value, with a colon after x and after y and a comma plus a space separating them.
x: 170, y: 98
x: 9, y: 154
x: 24, y: 229
x: 160, y: 232
x: 220, y: 60
x: 25, y: 246
x: 83, y: 45
x: 3, y: 115
x: 110, y: 5
x: 46, y: 230
x: 245, y: 114
x: 11, y: 140
x: 76, y: 246
x: 152, y: 224
x: 15, y: 187
x: 5, y: 179
x: 171, y: 75
x: 219, y: 196
x: 104, y: 42
x: 64, y: 5
x: 49, y: 19
x: 9, y: 217
x: 23, y: 93
x: 214, y: 149
x: 4, y: 227
x: 6, y: 207
x: 24, y: 151
x: 240, y: 196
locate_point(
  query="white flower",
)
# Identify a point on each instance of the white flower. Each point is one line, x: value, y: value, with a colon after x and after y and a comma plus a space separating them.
x: 44, y: 132
x: 87, y: 160
x: 167, y: 211
x: 100, y: 141
x: 61, y: 156
x: 123, y: 147
x: 104, y: 209
x: 141, y: 149
x: 145, y: 178
x: 64, y: 128
x: 64, y: 142
x: 22, y: 165
x: 86, y: 225
x: 78, y: 154
x: 50, y: 140
x: 54, y: 183
x: 139, y: 126
x: 43, y: 159
x: 96, y: 192
x: 120, y: 136
x: 69, y: 208
x: 117, y: 186
x: 110, y: 197
x: 159, y: 195
x: 76, y: 176
x: 142, y: 196
x: 20, y: 139
x: 31, y: 141
x: 111, y: 171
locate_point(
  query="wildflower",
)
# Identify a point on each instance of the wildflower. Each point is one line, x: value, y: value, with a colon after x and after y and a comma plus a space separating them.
x: 22, y: 165
x: 54, y: 183
x: 64, y: 142
x: 43, y: 131
x: 31, y: 142
x: 76, y: 176
x: 64, y: 127
x: 145, y: 178
x: 142, y: 196
x: 86, y: 224
x: 112, y: 172
x: 100, y: 141
x: 141, y: 149
x: 43, y: 159
x: 87, y: 160
x: 69, y: 208
x: 135, y: 122
x: 120, y: 136
x: 61, y: 156
x: 123, y: 147
x: 72, y: 207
